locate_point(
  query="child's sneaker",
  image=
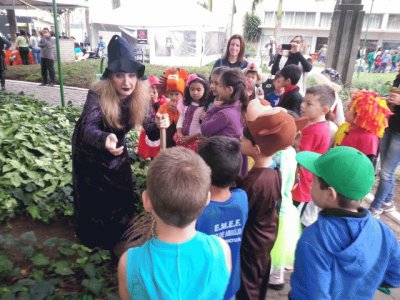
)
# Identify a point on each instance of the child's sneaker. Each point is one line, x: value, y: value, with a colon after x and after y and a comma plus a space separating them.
x: 388, y: 207
x: 276, y: 280
x: 376, y: 213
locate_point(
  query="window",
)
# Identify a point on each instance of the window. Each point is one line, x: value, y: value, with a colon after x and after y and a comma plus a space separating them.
x: 326, y: 20
x: 288, y: 19
x: 270, y: 18
x: 175, y: 43
x: 214, y: 43
x: 298, y: 19
x: 375, y: 21
x: 393, y: 22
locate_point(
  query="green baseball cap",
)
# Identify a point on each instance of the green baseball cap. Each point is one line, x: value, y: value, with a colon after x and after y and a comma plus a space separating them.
x: 345, y: 169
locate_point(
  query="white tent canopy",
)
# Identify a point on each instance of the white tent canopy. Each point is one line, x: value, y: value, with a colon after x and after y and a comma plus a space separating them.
x: 193, y: 38
x: 156, y: 13
x: 43, y: 4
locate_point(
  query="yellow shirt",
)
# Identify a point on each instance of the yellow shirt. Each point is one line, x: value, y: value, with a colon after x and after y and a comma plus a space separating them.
x: 21, y: 41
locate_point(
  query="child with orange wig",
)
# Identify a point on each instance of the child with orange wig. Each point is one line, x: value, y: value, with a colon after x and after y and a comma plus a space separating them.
x: 366, y: 119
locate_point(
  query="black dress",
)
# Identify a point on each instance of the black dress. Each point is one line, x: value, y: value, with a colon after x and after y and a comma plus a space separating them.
x: 103, y: 183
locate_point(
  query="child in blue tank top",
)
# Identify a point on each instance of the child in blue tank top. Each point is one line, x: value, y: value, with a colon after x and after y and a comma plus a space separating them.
x: 179, y: 262
x: 226, y: 214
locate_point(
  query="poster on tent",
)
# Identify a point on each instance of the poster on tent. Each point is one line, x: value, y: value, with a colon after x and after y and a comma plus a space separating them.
x: 142, y: 36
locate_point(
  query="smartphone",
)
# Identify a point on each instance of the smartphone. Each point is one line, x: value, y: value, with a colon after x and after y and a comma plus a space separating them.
x: 286, y: 46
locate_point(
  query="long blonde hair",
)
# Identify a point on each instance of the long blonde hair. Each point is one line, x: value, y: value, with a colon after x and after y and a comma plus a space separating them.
x: 110, y: 102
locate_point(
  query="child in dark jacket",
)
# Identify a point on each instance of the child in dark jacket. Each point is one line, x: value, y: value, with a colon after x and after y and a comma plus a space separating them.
x: 291, y: 98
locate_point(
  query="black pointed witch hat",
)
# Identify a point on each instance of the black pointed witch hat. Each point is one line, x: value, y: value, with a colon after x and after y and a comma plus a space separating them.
x: 121, y: 58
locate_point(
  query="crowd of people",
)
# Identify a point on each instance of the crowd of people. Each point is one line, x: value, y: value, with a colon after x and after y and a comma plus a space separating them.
x: 38, y: 47
x: 379, y: 61
x: 41, y: 46
x: 252, y: 181
x: 242, y: 174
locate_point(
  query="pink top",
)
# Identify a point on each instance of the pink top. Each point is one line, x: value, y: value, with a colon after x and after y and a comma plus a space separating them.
x: 195, y: 123
x: 316, y: 138
x: 362, y: 140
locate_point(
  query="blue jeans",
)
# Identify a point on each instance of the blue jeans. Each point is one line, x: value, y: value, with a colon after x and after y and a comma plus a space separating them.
x: 390, y: 158
x: 36, y: 55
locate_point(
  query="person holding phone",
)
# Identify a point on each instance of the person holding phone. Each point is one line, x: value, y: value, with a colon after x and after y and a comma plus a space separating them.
x: 291, y: 54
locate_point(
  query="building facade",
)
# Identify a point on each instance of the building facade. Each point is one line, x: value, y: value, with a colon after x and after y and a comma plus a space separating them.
x: 312, y: 19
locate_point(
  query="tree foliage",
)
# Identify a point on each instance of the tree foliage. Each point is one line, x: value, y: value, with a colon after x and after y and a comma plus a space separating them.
x: 254, y: 4
x: 208, y: 4
x: 251, y: 29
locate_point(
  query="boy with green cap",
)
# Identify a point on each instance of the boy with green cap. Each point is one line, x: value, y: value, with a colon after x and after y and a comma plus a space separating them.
x: 346, y: 253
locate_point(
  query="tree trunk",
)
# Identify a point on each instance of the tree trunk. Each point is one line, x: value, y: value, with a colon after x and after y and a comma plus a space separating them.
x: 12, y: 23
x: 67, y: 23
x: 278, y: 22
x: 88, y: 29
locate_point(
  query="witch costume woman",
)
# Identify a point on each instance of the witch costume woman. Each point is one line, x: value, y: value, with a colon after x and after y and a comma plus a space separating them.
x: 102, y: 179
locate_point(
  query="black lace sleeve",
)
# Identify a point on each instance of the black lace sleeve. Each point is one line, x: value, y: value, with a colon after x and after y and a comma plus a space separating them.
x: 93, y: 129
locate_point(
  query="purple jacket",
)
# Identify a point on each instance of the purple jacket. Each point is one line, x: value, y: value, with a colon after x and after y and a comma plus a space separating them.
x: 223, y: 120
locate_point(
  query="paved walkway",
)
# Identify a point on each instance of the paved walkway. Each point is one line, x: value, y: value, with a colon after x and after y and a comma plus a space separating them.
x: 50, y: 94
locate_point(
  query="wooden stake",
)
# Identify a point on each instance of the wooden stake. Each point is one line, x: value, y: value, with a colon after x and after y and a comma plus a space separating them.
x: 163, y: 136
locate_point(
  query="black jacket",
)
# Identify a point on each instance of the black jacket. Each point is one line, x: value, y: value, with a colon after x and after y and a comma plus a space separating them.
x: 293, y: 59
x: 291, y: 100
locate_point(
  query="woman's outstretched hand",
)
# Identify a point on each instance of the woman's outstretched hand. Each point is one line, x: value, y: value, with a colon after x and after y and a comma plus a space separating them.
x: 111, y: 145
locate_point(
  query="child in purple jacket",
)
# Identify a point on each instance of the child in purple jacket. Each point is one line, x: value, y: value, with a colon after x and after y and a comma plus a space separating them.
x: 226, y: 118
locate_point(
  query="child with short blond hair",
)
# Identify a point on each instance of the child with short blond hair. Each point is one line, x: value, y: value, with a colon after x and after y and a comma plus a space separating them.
x: 179, y: 262
x: 315, y: 136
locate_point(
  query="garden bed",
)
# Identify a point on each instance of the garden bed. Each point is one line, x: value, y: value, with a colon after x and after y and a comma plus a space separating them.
x: 40, y: 257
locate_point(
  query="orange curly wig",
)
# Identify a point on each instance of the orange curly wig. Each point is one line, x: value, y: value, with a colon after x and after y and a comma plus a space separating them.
x: 371, y: 111
x: 176, y: 78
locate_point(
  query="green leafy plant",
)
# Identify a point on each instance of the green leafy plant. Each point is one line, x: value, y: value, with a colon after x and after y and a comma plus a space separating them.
x: 35, y: 161
x: 57, y: 268
x: 251, y: 30
x: 139, y: 165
